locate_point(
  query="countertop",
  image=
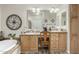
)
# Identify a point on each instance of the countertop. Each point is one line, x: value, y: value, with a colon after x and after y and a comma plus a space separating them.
x: 38, y: 33
x: 31, y: 33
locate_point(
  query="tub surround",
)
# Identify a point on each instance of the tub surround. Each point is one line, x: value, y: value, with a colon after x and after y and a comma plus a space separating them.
x: 14, y: 50
x: 9, y: 48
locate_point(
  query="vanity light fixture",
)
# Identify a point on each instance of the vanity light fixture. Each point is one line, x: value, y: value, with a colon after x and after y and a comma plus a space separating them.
x: 37, y: 11
x: 56, y: 10
x: 51, y: 10
x: 33, y: 10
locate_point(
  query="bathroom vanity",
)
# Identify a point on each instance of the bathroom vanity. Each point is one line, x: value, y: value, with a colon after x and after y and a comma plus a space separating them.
x: 29, y: 42
x: 58, y: 42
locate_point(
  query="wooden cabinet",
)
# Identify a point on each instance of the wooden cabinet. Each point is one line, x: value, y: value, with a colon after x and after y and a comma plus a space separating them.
x: 34, y: 43
x: 54, y: 41
x: 74, y: 29
x: 57, y: 41
x: 25, y: 43
x: 62, y: 41
x: 29, y: 43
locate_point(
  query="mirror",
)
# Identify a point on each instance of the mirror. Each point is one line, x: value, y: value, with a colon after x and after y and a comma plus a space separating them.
x: 42, y: 19
x: 51, y: 19
x: 35, y: 20
x: 63, y: 18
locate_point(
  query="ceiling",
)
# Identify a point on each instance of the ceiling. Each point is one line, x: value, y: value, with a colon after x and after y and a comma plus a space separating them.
x: 46, y: 6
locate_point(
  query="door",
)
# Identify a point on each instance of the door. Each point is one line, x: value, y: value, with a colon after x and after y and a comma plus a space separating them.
x: 74, y: 29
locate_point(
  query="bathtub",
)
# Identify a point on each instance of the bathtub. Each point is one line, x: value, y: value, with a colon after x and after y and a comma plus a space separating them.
x: 9, y: 47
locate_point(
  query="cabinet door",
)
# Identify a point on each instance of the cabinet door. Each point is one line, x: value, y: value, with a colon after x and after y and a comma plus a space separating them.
x: 25, y: 43
x: 34, y: 43
x: 54, y: 42
x: 62, y: 41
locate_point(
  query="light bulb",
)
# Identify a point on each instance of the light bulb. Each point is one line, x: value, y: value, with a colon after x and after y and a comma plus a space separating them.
x: 38, y: 9
x: 51, y: 10
x: 33, y: 10
x: 56, y: 10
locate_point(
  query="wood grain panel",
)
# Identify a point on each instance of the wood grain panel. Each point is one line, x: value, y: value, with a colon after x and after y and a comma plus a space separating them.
x: 25, y: 43
x: 62, y: 41
x: 74, y: 29
x: 34, y: 43
x: 29, y: 43
x: 58, y: 41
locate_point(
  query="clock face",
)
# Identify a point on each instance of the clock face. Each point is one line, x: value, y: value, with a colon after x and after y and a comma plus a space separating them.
x: 13, y: 22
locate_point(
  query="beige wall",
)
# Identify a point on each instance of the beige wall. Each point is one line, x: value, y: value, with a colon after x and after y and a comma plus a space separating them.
x: 13, y: 9
x: 0, y: 18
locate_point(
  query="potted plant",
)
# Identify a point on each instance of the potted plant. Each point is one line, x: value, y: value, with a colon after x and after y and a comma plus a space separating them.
x: 12, y: 36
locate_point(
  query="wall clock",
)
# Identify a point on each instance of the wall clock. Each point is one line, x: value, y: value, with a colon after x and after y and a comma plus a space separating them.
x: 13, y: 22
